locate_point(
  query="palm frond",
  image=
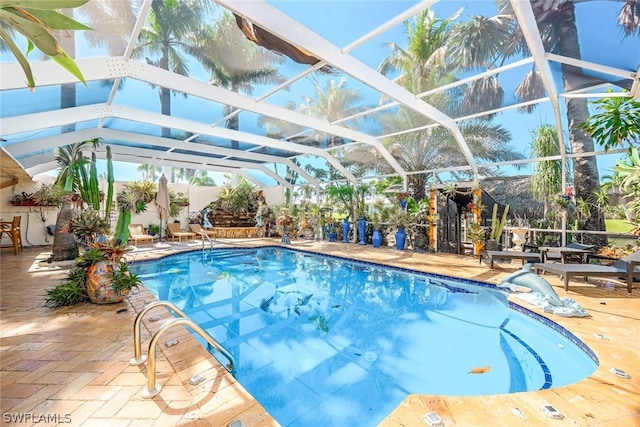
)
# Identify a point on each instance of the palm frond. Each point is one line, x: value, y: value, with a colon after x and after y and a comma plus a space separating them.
x: 529, y: 89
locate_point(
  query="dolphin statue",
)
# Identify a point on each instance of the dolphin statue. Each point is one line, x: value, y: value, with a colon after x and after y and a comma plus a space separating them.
x: 528, y: 279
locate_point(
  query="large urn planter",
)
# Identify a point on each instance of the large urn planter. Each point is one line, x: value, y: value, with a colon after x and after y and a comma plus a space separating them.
x: 362, y: 231
x: 99, y: 283
x: 345, y: 230
x: 376, y: 239
x: 401, y: 238
x: 519, y: 237
x: 108, y: 276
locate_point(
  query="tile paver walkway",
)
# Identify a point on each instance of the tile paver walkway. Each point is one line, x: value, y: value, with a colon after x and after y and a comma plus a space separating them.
x: 73, y: 363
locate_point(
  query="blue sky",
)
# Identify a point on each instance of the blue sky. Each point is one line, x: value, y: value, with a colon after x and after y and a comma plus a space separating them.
x: 342, y: 24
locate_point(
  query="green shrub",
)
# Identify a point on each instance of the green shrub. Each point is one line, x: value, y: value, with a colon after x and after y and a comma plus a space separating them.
x: 71, y: 291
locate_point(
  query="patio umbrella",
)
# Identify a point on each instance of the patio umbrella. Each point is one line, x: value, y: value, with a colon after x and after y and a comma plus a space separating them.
x: 162, y: 201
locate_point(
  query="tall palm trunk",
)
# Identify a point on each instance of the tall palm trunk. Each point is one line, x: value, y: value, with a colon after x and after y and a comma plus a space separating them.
x: 233, y: 122
x: 165, y: 93
x: 65, y: 246
x: 419, y: 183
x: 585, y: 169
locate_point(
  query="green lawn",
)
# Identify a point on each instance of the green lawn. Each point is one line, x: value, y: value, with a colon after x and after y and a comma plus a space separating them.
x: 618, y: 226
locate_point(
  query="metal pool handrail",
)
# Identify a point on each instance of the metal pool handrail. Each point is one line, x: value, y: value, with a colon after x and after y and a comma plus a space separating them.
x: 152, y: 388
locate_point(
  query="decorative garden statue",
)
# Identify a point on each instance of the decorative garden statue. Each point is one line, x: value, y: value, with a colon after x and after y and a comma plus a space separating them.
x: 286, y: 222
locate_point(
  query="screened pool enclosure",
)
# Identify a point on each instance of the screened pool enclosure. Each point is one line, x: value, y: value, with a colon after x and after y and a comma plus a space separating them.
x: 298, y: 93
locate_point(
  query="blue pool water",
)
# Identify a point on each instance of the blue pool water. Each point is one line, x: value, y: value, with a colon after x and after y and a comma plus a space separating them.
x: 324, y: 341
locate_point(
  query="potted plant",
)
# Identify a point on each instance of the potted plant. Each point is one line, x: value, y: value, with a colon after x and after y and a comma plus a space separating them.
x: 153, y: 229
x: 145, y: 190
x: 88, y: 226
x: 23, y: 199
x: 478, y: 235
x: 399, y: 219
x: 108, y: 275
x: 330, y: 226
x: 376, y: 238
x: 49, y: 195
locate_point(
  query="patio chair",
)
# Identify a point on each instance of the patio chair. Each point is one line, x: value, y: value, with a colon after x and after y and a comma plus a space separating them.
x: 572, y: 252
x: 138, y: 234
x: 12, y: 229
x: 175, y: 232
x: 197, y: 228
x: 625, y: 268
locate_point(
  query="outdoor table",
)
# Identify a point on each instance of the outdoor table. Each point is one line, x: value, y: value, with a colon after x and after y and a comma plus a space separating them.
x: 633, y: 260
x: 564, y: 251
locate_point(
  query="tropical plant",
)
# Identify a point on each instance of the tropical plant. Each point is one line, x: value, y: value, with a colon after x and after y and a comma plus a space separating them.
x: 123, y: 279
x: 90, y: 256
x: 422, y: 67
x: 153, y: 229
x: 476, y: 232
x: 145, y: 190
x: 166, y: 39
x: 399, y: 217
x: 627, y: 171
x: 333, y: 103
x: 38, y: 21
x: 341, y: 196
x: 48, y: 195
x: 149, y: 172
x: 627, y: 174
x: 71, y: 291
x: 88, y: 225
x: 217, y: 49
x: 177, y: 202
x: 546, y: 180
x: 110, y: 180
x: 202, y: 178
x: 616, y: 122
x: 128, y: 202
x: 111, y: 250
x: 71, y: 164
x: 226, y: 197
x: 482, y: 42
x: 497, y: 226
x: 108, y: 276
x: 244, y: 197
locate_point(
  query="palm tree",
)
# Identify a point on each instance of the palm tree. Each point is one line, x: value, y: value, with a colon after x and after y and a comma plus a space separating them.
x: 483, y: 42
x: 422, y: 66
x: 334, y: 102
x: 234, y: 62
x: 164, y: 42
x: 546, y: 180
x: 201, y: 178
x: 149, y: 172
x: 70, y: 161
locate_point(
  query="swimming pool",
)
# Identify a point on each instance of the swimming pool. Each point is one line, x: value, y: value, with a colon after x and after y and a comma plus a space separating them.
x: 327, y: 341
